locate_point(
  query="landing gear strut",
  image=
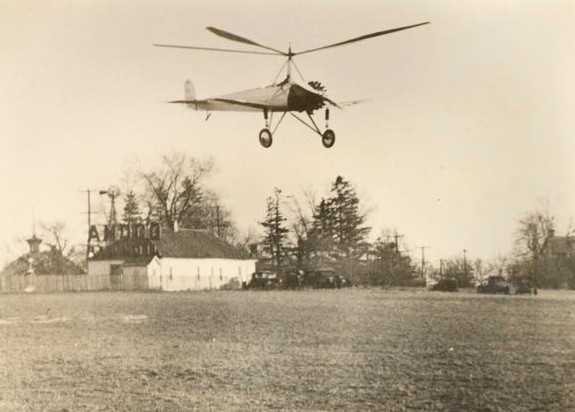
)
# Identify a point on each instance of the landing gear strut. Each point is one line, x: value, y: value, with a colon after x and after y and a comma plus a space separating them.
x: 266, y: 139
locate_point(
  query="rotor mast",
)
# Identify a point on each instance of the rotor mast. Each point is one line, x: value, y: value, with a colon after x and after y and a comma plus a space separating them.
x: 289, y: 62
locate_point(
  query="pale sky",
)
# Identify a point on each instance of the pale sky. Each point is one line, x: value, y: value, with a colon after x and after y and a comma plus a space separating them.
x: 470, y: 121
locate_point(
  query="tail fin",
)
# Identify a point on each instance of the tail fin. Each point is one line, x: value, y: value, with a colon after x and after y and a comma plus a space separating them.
x: 189, y: 91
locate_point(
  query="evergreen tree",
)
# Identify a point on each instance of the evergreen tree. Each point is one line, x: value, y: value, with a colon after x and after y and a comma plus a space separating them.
x: 388, y: 266
x: 320, y: 246
x: 275, y: 235
x: 337, y: 234
x: 131, y: 208
x: 348, y: 231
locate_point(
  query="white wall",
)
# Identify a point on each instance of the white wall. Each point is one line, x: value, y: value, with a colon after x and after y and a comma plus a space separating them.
x: 155, y: 274
x: 176, y: 274
x: 102, y: 267
x: 201, y: 274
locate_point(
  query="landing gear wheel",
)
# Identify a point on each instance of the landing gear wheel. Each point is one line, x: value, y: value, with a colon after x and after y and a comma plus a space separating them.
x: 328, y: 138
x: 265, y: 138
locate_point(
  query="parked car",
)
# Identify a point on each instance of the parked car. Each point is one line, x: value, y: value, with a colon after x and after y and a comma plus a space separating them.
x: 445, y: 285
x: 293, y: 279
x: 265, y: 280
x: 523, y: 288
x: 495, y: 285
x: 324, y: 278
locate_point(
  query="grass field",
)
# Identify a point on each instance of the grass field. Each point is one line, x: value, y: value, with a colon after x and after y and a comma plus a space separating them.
x: 347, y: 350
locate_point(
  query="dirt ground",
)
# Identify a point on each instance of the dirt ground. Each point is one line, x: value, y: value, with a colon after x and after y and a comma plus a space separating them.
x: 345, y: 350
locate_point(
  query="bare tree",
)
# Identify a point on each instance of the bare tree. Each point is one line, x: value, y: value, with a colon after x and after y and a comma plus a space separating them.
x: 55, y: 236
x: 176, y: 187
x: 533, y: 231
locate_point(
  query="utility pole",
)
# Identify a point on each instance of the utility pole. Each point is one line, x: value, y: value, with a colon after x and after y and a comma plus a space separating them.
x: 423, y: 262
x: 465, y: 264
x: 88, y: 192
x: 218, y: 230
x: 397, y: 237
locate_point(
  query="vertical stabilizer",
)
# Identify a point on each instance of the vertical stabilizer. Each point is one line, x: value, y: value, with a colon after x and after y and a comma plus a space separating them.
x: 189, y: 91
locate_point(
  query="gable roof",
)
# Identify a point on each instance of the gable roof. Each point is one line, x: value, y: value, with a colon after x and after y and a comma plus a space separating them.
x: 185, y: 243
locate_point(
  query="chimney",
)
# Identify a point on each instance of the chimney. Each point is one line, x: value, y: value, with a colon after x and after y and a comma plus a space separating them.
x: 34, y: 244
x: 550, y: 232
x: 176, y: 226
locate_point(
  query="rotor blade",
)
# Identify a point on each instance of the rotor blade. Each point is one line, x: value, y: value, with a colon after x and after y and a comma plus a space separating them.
x: 214, y: 49
x: 235, y: 37
x: 367, y: 36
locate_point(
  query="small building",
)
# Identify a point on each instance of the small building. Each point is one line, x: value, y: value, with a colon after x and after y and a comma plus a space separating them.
x: 558, y: 246
x: 42, y: 271
x: 175, y: 261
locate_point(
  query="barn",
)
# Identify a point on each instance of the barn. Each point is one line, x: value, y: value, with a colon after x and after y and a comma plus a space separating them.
x: 174, y: 261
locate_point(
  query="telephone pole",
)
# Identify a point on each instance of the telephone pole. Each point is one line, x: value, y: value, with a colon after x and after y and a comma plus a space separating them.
x: 465, y: 264
x: 397, y: 237
x: 423, y: 262
x: 88, y: 192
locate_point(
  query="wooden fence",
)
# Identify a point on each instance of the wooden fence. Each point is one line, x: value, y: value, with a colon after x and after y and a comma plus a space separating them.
x: 71, y: 283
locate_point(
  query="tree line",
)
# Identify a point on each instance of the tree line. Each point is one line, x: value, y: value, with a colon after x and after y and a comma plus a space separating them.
x: 330, y: 232
x: 539, y: 258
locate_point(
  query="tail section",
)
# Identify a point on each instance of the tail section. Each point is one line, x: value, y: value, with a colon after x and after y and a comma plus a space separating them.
x: 189, y: 90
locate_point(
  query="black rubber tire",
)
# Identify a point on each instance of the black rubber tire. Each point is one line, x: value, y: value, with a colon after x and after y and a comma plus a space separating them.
x: 328, y: 138
x: 265, y: 137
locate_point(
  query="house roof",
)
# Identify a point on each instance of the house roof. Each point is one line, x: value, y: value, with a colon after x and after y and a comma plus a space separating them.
x: 185, y: 243
x: 44, y: 263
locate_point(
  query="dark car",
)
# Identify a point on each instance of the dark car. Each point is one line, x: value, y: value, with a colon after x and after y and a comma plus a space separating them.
x: 495, y: 285
x: 445, y: 285
x: 324, y: 278
x: 524, y: 289
x: 293, y: 279
x: 265, y: 280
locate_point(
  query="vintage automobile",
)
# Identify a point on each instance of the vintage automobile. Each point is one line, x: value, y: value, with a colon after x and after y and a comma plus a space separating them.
x: 324, y: 278
x: 293, y: 279
x: 265, y: 280
x: 445, y: 285
x: 523, y: 288
x: 495, y: 285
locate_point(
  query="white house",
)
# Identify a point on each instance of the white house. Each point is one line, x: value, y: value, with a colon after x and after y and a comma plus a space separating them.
x: 181, y: 260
